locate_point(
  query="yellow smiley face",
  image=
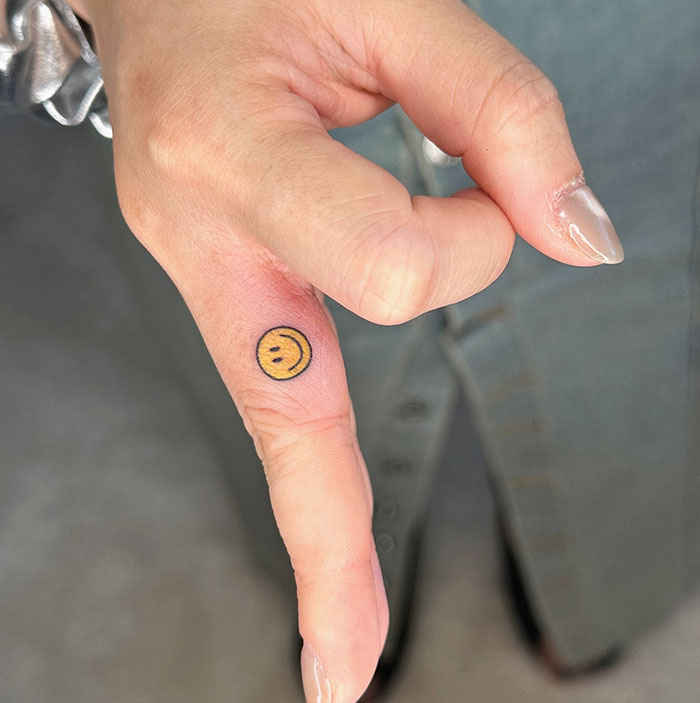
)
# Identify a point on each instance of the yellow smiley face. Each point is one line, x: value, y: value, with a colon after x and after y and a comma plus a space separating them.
x: 283, y: 353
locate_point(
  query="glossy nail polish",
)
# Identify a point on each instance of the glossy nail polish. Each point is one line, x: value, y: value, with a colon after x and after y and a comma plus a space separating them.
x: 578, y: 215
x: 317, y: 685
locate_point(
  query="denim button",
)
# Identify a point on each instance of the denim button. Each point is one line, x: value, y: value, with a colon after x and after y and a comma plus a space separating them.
x: 412, y: 409
x: 395, y: 466
x: 384, y: 543
x: 387, y: 509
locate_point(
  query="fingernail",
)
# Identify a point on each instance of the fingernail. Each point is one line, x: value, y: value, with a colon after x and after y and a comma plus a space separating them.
x: 579, y: 215
x: 317, y: 685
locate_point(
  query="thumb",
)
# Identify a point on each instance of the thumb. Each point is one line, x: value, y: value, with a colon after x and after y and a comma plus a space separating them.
x: 476, y: 96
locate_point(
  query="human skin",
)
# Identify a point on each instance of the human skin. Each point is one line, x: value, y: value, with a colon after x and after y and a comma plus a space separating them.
x: 227, y: 175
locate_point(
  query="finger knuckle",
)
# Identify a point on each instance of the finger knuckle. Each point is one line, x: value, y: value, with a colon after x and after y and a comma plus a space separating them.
x: 521, y: 100
x: 170, y: 145
x: 163, y: 172
x: 278, y: 422
x: 391, y: 280
x: 267, y: 417
x: 338, y: 563
x: 155, y: 128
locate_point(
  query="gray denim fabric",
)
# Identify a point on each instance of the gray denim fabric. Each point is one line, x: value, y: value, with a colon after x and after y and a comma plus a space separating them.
x: 602, y: 489
x: 592, y: 447
x: 585, y: 383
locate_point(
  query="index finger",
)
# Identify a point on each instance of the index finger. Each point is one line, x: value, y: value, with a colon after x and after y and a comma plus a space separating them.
x: 276, y: 349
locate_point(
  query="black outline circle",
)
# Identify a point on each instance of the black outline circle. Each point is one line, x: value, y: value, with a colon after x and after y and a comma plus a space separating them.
x: 288, y: 327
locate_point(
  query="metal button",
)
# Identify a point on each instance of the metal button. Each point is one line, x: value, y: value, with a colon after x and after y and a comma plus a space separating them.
x: 436, y: 156
x: 385, y: 543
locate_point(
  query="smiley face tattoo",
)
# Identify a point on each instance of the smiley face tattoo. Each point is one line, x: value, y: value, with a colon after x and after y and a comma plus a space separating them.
x: 283, y: 353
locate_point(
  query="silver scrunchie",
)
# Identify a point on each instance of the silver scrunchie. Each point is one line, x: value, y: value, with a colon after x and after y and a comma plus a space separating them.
x: 46, y: 62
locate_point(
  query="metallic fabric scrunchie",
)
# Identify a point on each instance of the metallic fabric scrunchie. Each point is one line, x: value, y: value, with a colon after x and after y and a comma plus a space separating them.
x: 47, y: 64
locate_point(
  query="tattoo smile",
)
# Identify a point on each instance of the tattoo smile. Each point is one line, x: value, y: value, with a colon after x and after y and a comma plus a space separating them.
x: 283, y: 353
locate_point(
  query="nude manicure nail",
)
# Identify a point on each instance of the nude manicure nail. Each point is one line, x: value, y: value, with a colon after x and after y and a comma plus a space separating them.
x: 578, y: 214
x: 317, y: 685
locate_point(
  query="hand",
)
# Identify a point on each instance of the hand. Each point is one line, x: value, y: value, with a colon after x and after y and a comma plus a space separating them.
x: 227, y: 174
